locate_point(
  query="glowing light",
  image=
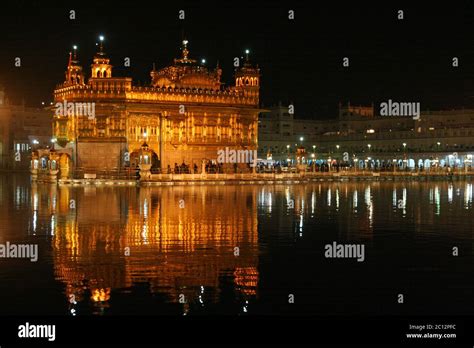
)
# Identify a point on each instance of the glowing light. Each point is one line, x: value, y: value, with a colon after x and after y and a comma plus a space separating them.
x: 74, y: 47
x: 101, y: 38
x: 203, y: 61
x: 247, y: 51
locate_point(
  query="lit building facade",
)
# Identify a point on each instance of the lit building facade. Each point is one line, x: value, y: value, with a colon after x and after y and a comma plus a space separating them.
x: 444, y: 135
x: 184, y: 115
x: 22, y: 128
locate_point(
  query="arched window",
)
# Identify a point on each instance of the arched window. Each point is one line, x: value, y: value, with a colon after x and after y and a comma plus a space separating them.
x: 105, y: 73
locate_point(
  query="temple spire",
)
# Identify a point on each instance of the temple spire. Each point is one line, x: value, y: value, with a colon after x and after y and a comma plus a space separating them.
x: 185, y: 49
x: 185, y: 54
x: 74, y: 56
x: 101, y: 45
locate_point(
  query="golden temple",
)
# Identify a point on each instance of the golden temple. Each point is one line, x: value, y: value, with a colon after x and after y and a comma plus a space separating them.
x: 185, y: 115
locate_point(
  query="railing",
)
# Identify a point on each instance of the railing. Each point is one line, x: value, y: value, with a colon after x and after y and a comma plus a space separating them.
x: 113, y: 174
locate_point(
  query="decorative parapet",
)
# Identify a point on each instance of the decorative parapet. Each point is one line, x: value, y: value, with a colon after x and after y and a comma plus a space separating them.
x: 157, y: 94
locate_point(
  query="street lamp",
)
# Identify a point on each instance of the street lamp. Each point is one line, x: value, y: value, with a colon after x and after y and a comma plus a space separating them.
x: 369, y: 146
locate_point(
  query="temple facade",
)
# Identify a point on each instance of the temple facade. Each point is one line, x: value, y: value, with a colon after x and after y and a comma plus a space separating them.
x: 185, y: 115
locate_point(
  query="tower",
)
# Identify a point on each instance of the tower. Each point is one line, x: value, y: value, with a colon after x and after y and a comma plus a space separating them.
x: 74, y: 74
x: 247, y: 78
x: 101, y: 67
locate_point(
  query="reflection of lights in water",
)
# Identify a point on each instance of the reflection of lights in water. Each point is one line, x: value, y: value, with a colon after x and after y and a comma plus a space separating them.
x: 355, y: 200
x: 394, y: 198
x: 329, y: 197
x: 367, y: 196
x: 313, y: 202
x: 53, y: 224
x: 100, y: 295
x: 18, y: 195
x: 269, y: 202
x: 404, y: 200
x: 450, y: 193
x: 145, y: 234
x: 145, y: 208
x: 261, y: 197
x: 368, y: 202
x: 431, y: 196
x: 35, y: 220
x: 437, y: 200
x: 337, y: 198
x: 301, y: 224
x: 467, y: 196
x: 53, y: 204
x: 35, y: 201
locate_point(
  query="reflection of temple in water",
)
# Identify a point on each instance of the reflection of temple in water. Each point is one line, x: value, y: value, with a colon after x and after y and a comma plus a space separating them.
x: 179, y: 240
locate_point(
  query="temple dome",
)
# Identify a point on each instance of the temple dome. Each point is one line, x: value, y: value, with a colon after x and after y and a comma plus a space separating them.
x: 186, y: 73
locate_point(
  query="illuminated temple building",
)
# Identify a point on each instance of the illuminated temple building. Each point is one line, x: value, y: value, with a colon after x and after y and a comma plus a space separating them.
x: 184, y: 115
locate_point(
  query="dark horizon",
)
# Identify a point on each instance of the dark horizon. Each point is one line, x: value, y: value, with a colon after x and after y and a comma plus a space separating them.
x: 300, y: 60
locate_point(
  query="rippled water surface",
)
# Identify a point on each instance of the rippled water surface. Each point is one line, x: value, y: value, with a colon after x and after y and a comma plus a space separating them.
x: 238, y: 249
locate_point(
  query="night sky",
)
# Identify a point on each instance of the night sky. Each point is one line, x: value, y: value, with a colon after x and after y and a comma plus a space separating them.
x: 300, y: 59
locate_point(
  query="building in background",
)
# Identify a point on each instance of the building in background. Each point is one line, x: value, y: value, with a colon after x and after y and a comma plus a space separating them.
x: 358, y: 134
x: 21, y: 129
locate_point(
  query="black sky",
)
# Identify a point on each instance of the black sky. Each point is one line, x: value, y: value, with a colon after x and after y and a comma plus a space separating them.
x: 301, y: 60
